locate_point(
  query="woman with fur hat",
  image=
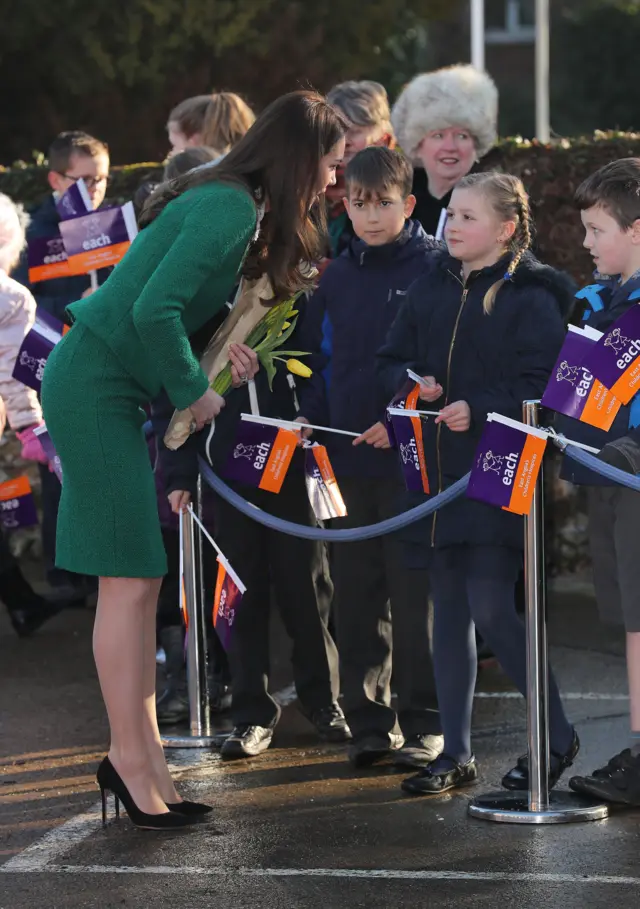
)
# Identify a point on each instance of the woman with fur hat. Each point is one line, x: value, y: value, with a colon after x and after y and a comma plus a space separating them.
x: 445, y: 121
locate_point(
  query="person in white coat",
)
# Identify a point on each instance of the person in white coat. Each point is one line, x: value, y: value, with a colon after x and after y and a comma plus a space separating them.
x: 19, y: 406
x: 17, y: 315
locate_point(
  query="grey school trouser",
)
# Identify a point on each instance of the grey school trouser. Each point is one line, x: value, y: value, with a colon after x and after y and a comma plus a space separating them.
x: 614, y: 536
x: 383, y: 621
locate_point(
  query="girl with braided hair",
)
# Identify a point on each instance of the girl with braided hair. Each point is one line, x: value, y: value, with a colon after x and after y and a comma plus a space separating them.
x: 483, y: 326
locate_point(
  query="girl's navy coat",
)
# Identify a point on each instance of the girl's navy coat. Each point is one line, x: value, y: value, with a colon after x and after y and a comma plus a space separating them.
x: 493, y: 362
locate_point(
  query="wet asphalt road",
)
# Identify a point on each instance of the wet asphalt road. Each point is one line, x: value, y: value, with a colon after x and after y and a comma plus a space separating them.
x: 297, y: 827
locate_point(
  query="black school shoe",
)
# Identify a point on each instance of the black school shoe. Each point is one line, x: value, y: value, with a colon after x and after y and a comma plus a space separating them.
x: 419, y: 751
x: 618, y: 781
x: 441, y: 776
x: 246, y: 741
x: 518, y: 777
x: 370, y: 748
x: 26, y: 621
x: 330, y: 722
x: 28, y: 611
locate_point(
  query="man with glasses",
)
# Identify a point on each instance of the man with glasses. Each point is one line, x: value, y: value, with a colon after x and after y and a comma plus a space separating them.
x: 72, y: 155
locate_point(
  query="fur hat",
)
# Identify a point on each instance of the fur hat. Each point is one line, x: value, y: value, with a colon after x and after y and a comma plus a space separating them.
x: 455, y: 96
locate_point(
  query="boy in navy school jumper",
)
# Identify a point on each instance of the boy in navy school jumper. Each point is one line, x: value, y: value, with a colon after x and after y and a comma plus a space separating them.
x: 72, y: 155
x: 610, y: 208
x: 348, y: 318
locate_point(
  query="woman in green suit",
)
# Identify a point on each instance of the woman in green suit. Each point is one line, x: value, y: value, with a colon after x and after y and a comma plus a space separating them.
x: 128, y: 341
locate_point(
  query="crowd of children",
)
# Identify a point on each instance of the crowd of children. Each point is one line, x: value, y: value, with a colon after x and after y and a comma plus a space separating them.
x: 476, y: 315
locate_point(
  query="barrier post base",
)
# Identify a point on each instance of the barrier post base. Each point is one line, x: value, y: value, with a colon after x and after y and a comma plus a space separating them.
x: 194, y: 741
x: 513, y: 808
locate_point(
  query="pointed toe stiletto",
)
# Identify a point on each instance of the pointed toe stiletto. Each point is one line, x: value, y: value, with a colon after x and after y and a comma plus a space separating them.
x: 190, y: 809
x: 109, y: 780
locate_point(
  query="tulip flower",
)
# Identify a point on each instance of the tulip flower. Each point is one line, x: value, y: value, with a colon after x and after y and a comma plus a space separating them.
x: 266, y: 339
x: 298, y: 368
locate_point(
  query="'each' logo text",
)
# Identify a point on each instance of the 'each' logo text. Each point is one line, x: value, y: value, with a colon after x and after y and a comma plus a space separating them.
x: 503, y: 465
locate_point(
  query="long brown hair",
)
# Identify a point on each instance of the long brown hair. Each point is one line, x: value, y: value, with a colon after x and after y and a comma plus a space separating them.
x: 508, y: 198
x: 278, y: 160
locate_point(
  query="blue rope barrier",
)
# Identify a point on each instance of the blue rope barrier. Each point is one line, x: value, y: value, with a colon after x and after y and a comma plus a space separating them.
x: 370, y: 531
x: 630, y: 480
x: 349, y: 535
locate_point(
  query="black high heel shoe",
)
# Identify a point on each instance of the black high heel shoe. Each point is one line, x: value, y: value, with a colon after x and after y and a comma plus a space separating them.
x: 109, y: 780
x: 189, y: 809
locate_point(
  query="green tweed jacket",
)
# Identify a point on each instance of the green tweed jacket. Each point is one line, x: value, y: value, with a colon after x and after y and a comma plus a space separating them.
x: 177, y: 274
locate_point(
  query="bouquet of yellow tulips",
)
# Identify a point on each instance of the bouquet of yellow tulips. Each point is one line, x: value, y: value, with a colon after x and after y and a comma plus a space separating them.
x: 265, y: 330
x: 267, y: 338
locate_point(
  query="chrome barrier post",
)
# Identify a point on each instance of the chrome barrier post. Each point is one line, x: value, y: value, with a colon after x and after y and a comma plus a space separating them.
x: 536, y: 634
x: 538, y: 806
x: 199, y: 719
x: 202, y: 591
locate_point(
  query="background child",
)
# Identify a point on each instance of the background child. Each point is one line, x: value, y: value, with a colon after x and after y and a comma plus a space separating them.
x: 20, y: 405
x: 172, y: 704
x: 349, y: 315
x: 186, y: 160
x: 279, y: 571
x: 365, y: 104
x: 72, y: 155
x: 218, y: 121
x: 610, y: 209
x: 484, y: 327
x: 227, y: 118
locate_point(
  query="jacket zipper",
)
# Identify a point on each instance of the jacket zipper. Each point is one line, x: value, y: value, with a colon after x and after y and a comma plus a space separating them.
x: 463, y: 300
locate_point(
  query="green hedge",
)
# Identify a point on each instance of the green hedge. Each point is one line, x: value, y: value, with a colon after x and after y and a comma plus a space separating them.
x: 550, y: 173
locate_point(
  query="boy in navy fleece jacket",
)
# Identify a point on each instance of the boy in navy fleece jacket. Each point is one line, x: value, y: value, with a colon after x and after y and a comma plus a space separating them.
x: 348, y: 318
x: 610, y: 207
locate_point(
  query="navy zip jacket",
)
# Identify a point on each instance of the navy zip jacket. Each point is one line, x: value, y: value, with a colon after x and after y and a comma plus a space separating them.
x: 55, y: 294
x: 493, y: 362
x: 603, y: 303
x: 348, y: 318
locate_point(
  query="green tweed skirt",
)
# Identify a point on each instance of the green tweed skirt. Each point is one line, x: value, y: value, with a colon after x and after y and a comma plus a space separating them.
x: 108, y: 522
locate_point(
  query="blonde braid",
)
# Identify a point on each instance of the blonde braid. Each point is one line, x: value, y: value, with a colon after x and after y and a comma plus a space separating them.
x: 522, y: 237
x: 521, y: 241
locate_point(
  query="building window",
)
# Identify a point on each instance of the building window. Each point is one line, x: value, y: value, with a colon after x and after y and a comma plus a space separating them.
x: 510, y: 21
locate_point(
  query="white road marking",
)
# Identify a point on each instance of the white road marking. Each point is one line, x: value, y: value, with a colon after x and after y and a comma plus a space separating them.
x: 565, y: 695
x: 357, y: 873
x: 40, y: 854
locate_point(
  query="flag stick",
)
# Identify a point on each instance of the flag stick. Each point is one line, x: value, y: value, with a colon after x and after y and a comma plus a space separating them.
x: 401, y: 412
x: 291, y: 424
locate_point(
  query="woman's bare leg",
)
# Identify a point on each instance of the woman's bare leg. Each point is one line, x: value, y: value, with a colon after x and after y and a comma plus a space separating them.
x: 119, y: 647
x: 153, y: 741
